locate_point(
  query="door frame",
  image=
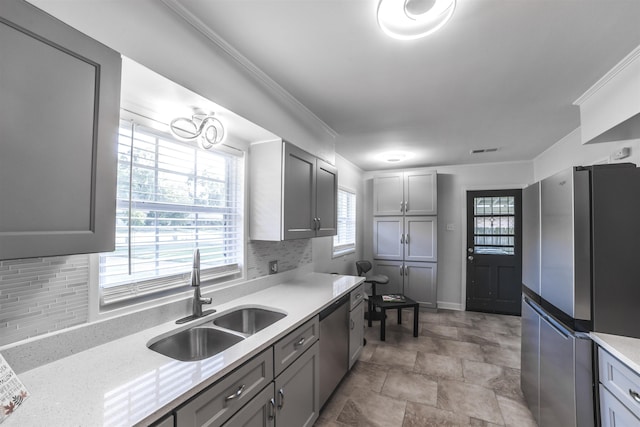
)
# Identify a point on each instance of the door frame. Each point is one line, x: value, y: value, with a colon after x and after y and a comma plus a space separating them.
x: 463, y: 235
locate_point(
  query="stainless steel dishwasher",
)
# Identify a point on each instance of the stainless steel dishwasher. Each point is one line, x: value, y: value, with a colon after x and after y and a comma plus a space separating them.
x: 334, y: 346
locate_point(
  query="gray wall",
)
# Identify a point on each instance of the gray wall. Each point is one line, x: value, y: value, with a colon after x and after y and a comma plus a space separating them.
x: 453, y: 182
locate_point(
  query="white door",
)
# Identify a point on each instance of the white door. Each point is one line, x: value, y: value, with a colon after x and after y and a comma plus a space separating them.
x: 387, y: 194
x: 388, y: 240
x: 420, y: 193
x: 420, y: 241
x: 420, y: 283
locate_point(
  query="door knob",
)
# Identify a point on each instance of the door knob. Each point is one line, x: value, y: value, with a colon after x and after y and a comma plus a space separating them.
x: 470, y: 257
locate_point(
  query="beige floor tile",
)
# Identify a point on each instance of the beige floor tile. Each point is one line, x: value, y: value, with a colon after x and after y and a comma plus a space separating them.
x: 394, y: 356
x: 469, y: 399
x: 515, y: 413
x: 439, y: 366
x: 439, y: 331
x: 462, y: 370
x: 411, y: 387
x: 372, y: 410
x: 502, y: 380
x: 427, y: 416
x: 501, y: 356
x: 365, y: 375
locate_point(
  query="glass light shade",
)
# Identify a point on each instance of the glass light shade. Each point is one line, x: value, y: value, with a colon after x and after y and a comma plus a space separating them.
x: 412, y: 19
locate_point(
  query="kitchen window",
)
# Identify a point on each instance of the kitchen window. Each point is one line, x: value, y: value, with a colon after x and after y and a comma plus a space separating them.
x: 345, y: 241
x: 172, y: 197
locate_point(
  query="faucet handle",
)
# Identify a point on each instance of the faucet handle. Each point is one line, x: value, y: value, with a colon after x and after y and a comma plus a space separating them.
x: 206, y: 300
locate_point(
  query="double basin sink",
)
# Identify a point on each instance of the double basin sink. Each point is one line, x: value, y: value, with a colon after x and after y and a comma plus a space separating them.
x: 208, y: 338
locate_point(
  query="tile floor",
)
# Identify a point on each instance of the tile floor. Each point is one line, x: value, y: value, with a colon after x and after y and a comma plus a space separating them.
x: 462, y: 370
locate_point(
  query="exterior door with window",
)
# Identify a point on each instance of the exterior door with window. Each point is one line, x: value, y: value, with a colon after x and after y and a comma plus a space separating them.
x: 494, y: 251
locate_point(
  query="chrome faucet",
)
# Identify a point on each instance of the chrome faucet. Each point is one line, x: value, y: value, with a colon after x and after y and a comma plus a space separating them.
x: 198, y: 301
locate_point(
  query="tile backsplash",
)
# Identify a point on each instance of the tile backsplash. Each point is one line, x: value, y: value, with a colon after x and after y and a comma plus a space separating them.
x: 41, y: 295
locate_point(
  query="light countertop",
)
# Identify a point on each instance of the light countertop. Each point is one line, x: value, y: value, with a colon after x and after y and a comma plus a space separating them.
x: 123, y: 383
x: 625, y: 349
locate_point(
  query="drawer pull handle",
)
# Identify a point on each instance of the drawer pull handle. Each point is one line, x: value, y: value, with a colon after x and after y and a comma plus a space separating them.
x: 353, y: 324
x: 300, y: 343
x: 634, y: 394
x: 236, y: 394
x: 272, y: 409
x: 281, y: 395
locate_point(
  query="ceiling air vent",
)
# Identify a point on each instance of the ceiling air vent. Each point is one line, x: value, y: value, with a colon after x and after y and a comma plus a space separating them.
x: 483, y: 150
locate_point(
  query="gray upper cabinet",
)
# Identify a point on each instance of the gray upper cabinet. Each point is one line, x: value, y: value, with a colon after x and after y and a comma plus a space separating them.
x: 59, y: 111
x: 293, y: 193
x: 406, y: 193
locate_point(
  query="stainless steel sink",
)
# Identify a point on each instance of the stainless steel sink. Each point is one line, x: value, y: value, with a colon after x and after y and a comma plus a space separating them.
x: 195, y: 343
x: 249, y: 320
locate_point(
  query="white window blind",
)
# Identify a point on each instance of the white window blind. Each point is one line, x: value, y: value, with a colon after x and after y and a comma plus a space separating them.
x: 345, y: 240
x: 172, y: 197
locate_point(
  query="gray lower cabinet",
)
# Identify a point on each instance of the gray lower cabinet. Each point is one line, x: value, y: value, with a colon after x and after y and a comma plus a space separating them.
x: 613, y: 413
x: 291, y: 400
x: 356, y: 332
x: 215, y: 405
x: 298, y: 391
x: 619, y: 392
x: 59, y: 113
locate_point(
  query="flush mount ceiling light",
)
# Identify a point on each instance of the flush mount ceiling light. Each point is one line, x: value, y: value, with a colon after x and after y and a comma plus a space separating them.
x: 412, y: 19
x: 394, y: 156
x: 203, y: 126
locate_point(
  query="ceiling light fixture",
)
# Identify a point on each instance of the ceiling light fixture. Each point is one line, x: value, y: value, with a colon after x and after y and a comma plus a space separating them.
x: 412, y: 19
x: 395, y: 156
x: 204, y: 126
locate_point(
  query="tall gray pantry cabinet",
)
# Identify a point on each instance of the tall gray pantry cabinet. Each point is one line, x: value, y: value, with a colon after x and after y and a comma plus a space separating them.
x: 405, y: 229
x: 59, y: 112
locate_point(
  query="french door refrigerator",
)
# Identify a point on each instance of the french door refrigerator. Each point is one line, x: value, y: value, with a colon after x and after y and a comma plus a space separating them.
x: 581, y: 273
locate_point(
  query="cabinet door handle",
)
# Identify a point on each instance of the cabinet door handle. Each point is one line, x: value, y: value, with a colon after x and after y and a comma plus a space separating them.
x: 236, y: 394
x: 406, y: 207
x: 300, y: 342
x: 401, y: 206
x: 272, y: 409
x: 315, y: 223
x: 634, y: 394
x: 406, y: 238
x: 281, y: 398
x: 353, y: 324
x: 406, y: 270
x: 319, y: 223
x: 401, y: 270
x: 402, y: 239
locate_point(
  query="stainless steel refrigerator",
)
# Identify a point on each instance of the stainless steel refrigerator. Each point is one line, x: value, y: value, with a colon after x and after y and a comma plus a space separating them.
x: 581, y: 273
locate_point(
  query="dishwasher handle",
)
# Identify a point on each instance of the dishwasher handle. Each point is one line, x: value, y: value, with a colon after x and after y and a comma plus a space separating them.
x: 334, y: 306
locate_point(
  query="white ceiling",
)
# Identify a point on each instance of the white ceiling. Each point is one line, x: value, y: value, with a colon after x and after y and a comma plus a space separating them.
x: 501, y: 74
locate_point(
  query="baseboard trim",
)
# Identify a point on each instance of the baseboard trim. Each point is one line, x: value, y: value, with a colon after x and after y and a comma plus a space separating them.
x: 450, y: 306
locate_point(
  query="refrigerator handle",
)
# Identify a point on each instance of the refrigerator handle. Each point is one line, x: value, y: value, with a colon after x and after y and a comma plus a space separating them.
x: 557, y: 326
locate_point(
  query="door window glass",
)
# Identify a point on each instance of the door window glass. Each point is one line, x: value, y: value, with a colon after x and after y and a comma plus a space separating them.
x: 494, y: 225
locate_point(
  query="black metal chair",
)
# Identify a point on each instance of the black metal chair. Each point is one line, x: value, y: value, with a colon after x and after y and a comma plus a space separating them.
x: 363, y: 267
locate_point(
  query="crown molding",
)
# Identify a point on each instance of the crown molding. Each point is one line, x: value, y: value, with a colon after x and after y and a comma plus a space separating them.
x: 257, y: 73
x: 626, y: 61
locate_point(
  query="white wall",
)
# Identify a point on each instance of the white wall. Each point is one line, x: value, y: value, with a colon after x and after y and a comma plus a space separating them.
x: 569, y: 151
x: 351, y: 178
x: 453, y: 183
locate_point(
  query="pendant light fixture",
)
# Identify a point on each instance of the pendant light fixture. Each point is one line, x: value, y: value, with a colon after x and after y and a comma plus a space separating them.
x: 203, y: 126
x: 412, y: 19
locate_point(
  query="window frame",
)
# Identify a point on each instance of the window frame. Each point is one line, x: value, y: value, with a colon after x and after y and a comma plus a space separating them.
x: 170, y: 286
x: 350, y: 247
